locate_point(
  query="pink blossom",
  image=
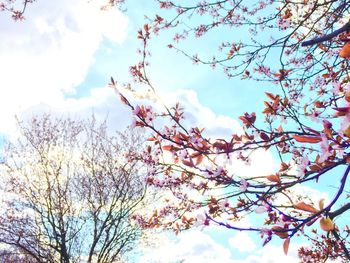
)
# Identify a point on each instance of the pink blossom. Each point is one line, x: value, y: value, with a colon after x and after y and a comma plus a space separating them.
x: 260, y: 209
x: 243, y: 185
x: 136, y: 110
x: 325, y: 148
x: 336, y: 87
x: 224, y: 203
x: 202, y: 220
x: 304, y: 163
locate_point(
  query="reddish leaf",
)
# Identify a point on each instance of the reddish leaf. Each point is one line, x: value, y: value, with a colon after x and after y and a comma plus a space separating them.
x: 199, y: 159
x: 307, y: 139
x: 347, y: 131
x: 284, y: 167
x: 312, y: 131
x: 270, y: 95
x: 305, y: 207
x: 347, y: 96
x: 188, y: 163
x: 345, y: 51
x: 310, y: 223
x: 146, y: 27
x: 319, y: 104
x: 264, y: 136
x: 168, y: 147
x: 341, y: 111
x: 274, y: 178
x: 286, y: 246
x: 280, y: 231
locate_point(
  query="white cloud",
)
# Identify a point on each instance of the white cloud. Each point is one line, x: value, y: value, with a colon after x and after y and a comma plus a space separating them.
x: 204, y: 246
x: 102, y: 102
x: 243, y: 242
x: 191, y: 246
x: 216, y: 126
x: 260, y: 158
x: 50, y: 53
x: 272, y: 254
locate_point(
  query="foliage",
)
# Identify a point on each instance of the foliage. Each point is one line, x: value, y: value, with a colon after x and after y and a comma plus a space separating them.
x: 70, y: 191
x: 306, y: 124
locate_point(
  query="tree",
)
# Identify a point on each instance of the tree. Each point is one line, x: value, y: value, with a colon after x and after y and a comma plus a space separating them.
x: 11, y: 6
x: 70, y: 192
x: 18, y: 8
x: 306, y: 124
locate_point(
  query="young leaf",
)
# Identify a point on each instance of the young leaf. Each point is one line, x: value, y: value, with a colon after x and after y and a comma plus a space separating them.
x: 280, y: 232
x: 345, y: 51
x: 274, y: 178
x: 307, y: 139
x: 321, y: 203
x: 305, y: 207
x: 326, y: 224
x: 286, y: 246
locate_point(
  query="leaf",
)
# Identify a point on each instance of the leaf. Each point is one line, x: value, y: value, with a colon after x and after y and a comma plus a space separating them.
x: 326, y: 224
x: 347, y: 96
x: 280, y: 232
x: 286, y: 246
x: 341, y: 111
x: 199, y: 159
x: 322, y: 47
x: 305, y: 207
x: 146, y: 27
x: 347, y: 131
x: 312, y: 131
x: 319, y: 104
x: 345, y: 51
x: 274, y: 178
x: 167, y: 147
x: 321, y: 204
x: 284, y: 167
x: 307, y: 139
x: 264, y: 136
x: 310, y: 223
x: 188, y: 163
x: 315, y: 167
x: 270, y: 95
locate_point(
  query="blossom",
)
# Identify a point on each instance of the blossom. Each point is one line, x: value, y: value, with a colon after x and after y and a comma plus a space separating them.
x: 260, y: 209
x: 224, y: 203
x: 202, y: 220
x: 336, y: 87
x: 325, y: 148
x: 304, y: 163
x: 136, y: 110
x: 243, y: 185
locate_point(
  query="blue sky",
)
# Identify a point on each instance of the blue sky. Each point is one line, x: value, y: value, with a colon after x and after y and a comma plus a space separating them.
x: 60, y: 59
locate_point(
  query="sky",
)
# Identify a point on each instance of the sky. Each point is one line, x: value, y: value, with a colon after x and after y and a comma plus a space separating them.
x: 60, y: 59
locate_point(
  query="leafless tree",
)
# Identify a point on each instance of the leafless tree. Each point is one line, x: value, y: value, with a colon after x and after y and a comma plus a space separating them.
x: 70, y: 191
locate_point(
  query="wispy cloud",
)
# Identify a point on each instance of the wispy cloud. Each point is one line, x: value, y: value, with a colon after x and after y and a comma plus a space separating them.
x: 49, y: 54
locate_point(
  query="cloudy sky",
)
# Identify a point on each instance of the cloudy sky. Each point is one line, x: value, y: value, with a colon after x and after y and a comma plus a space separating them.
x: 60, y: 59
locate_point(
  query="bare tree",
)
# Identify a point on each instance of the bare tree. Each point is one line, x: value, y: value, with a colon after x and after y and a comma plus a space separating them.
x: 71, y: 189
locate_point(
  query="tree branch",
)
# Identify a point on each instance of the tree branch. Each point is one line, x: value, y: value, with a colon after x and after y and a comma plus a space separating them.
x: 335, y: 33
x: 339, y: 211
